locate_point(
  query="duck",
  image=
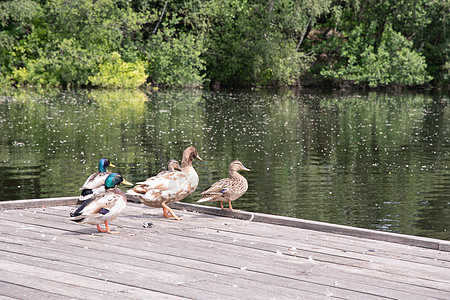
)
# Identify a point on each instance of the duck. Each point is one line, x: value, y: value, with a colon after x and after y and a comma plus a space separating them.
x: 227, y: 189
x: 164, y: 189
x: 172, y: 165
x: 95, y: 182
x: 103, y: 207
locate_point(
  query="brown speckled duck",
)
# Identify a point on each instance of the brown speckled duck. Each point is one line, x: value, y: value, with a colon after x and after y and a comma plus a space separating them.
x: 227, y: 189
x: 163, y: 189
x: 103, y: 207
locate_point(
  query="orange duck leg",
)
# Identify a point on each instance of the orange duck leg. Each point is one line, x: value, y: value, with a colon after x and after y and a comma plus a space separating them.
x: 107, y: 230
x: 168, y: 212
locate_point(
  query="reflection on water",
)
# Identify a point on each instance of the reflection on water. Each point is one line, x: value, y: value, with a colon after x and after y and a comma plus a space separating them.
x: 376, y: 161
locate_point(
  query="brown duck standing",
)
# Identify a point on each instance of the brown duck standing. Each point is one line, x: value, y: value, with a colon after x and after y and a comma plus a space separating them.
x: 164, y: 189
x: 227, y: 189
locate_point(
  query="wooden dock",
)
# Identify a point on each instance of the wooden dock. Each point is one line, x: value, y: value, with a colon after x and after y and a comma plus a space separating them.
x: 210, y: 254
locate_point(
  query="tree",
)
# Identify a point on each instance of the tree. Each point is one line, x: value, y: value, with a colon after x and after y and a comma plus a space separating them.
x: 393, y: 61
x: 67, y: 44
x: 357, y: 45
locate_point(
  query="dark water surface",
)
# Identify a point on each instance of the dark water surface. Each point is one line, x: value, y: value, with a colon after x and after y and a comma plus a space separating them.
x: 376, y: 161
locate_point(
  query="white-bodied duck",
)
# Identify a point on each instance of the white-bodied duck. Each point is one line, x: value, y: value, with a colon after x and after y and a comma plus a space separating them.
x: 103, y: 207
x: 163, y: 189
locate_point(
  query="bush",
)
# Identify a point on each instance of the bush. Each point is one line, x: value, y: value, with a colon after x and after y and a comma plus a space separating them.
x: 393, y: 61
x: 67, y: 64
x: 115, y: 73
x: 175, y: 61
x: 251, y: 43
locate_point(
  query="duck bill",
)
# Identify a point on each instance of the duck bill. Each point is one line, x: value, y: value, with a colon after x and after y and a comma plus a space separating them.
x: 126, y: 182
x: 111, y: 165
x: 245, y: 169
x: 198, y: 158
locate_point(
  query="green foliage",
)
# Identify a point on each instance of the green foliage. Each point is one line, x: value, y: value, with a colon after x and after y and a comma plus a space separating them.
x: 252, y: 42
x: 175, y: 60
x: 446, y: 72
x: 16, y: 22
x: 115, y: 73
x: 392, y: 62
x: 279, y: 63
x: 417, y: 53
x: 68, y: 43
x: 69, y: 64
x: 234, y: 42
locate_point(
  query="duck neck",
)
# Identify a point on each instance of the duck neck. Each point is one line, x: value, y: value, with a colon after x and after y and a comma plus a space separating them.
x: 188, y: 169
x: 101, y: 168
x: 234, y: 175
x: 109, y: 187
x: 186, y: 162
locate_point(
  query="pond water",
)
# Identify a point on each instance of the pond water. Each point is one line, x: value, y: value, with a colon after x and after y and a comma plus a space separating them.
x: 377, y: 161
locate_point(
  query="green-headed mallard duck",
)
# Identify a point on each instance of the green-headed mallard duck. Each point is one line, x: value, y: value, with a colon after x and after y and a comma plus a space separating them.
x: 103, y: 207
x: 162, y: 190
x: 227, y: 189
x: 95, y: 183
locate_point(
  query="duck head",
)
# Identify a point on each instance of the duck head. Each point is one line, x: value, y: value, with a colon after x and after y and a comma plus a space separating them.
x: 103, y: 164
x: 172, y: 165
x: 236, y: 165
x: 115, y: 179
x: 188, y: 155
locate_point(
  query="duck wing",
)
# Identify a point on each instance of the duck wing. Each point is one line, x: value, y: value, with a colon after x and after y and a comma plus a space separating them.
x: 101, y: 204
x: 90, y: 193
x: 95, y: 180
x: 220, y: 187
x: 172, y: 181
x: 158, y: 182
x: 166, y: 187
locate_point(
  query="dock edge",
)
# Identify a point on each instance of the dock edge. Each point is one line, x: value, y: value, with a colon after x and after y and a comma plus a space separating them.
x: 423, y: 242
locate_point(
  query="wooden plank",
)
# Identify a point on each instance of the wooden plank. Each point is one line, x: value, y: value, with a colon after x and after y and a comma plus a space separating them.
x: 53, y: 251
x: 208, y: 256
x: 37, y: 281
x: 323, y: 240
x: 319, y: 226
x: 335, y: 246
x: 217, y: 280
x: 34, y: 215
x: 263, y: 218
x: 146, y: 256
x: 32, y: 203
x: 119, y: 277
x: 290, y: 239
x: 235, y: 268
x: 10, y: 288
x: 279, y: 238
x: 313, y: 237
x: 333, y: 254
